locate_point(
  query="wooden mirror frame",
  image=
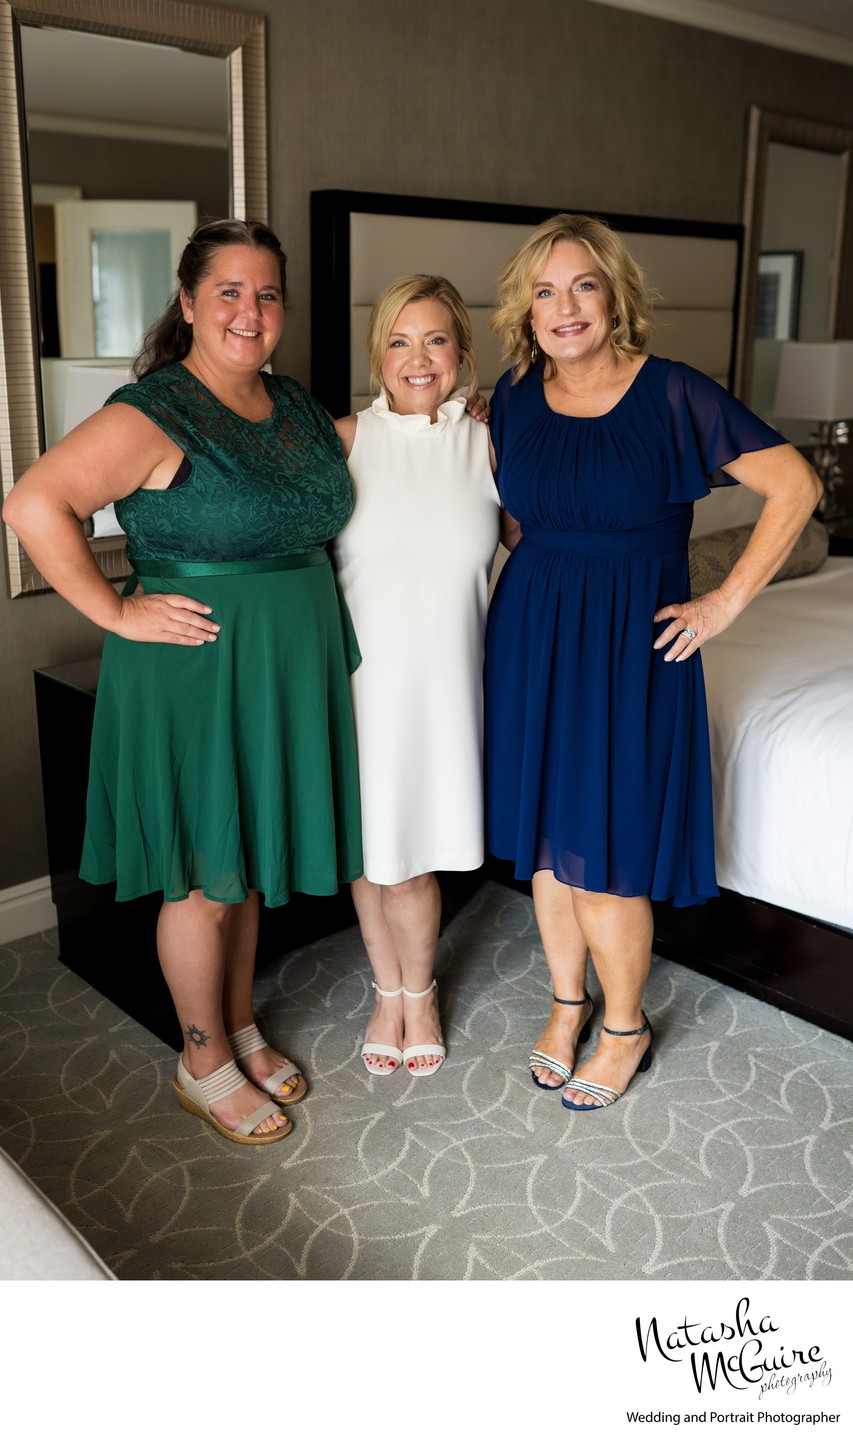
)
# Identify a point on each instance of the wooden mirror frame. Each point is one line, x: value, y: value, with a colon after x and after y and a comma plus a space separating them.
x: 768, y: 127
x: 236, y: 36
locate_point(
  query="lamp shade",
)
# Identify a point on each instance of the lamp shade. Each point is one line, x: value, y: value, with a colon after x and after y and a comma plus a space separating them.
x: 815, y: 381
x: 87, y: 389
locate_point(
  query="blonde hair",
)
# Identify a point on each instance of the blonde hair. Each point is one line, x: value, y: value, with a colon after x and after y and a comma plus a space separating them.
x: 404, y: 292
x: 632, y: 298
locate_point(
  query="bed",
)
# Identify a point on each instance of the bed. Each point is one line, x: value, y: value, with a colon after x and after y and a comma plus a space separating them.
x: 780, y: 686
x: 779, y: 682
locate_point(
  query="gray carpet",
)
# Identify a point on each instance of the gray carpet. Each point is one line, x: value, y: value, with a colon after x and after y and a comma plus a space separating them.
x: 730, y: 1159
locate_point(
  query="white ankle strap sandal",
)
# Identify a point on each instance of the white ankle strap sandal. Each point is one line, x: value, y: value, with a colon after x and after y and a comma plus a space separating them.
x: 386, y: 1050
x: 414, y: 1051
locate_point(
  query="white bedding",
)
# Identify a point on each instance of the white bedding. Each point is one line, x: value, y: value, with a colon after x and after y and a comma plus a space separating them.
x: 780, y: 702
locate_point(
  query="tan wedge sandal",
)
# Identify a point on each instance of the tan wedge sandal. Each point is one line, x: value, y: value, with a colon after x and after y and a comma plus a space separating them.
x: 248, y: 1041
x: 196, y: 1096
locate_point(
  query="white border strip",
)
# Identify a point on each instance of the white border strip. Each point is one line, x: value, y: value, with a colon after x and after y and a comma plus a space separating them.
x: 744, y: 25
x: 26, y: 909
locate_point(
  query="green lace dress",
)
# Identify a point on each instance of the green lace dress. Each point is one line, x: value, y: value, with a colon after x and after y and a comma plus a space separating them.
x: 231, y: 766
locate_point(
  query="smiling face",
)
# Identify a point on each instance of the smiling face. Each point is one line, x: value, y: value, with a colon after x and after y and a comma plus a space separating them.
x: 237, y: 311
x: 571, y: 309
x: 421, y: 365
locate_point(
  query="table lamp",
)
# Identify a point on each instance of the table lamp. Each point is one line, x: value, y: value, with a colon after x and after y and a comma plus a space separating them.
x: 816, y: 382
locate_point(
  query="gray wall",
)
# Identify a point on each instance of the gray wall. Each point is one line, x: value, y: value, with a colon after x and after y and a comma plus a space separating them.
x: 556, y: 102
x: 549, y: 102
x: 131, y: 169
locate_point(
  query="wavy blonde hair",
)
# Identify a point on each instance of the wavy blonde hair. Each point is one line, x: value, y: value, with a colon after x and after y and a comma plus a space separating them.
x: 404, y: 292
x: 631, y: 296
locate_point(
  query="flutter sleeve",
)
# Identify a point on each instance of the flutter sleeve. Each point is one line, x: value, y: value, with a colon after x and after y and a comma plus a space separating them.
x: 709, y: 428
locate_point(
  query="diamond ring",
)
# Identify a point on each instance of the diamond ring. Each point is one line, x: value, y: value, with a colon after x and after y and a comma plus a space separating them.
x: 689, y: 633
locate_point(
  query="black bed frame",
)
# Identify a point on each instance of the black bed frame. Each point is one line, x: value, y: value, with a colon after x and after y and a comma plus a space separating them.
x: 786, y: 959
x: 793, y: 962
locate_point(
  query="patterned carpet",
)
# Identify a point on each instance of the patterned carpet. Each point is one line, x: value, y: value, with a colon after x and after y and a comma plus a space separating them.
x: 730, y: 1159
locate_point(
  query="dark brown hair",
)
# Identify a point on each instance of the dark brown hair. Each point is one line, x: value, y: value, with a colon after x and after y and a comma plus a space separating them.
x: 170, y: 337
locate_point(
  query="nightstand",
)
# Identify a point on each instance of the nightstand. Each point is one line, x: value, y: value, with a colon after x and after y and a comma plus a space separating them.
x: 842, y: 538
x: 112, y: 946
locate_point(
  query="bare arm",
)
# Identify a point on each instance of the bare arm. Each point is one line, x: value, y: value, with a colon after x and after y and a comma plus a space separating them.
x: 510, y: 530
x: 790, y: 489
x: 110, y: 455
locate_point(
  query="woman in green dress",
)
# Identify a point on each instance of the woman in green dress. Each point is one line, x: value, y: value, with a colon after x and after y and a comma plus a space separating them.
x: 223, y: 755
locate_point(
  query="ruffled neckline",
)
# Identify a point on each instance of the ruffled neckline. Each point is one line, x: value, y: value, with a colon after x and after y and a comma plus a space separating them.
x: 450, y: 412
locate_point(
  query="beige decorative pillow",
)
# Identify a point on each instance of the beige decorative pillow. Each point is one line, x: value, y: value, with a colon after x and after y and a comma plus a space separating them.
x: 713, y: 556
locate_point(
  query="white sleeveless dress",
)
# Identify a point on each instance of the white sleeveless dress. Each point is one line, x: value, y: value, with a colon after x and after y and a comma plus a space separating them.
x: 413, y: 562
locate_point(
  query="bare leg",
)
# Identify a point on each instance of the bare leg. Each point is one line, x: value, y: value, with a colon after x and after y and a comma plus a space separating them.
x: 192, y: 941
x: 565, y: 950
x: 237, y: 1000
x: 399, y: 925
x: 412, y: 912
x: 241, y: 947
x: 385, y: 1025
x: 619, y: 933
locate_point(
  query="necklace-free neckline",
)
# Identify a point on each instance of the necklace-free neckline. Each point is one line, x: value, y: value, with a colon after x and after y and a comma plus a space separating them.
x: 604, y: 413
x: 235, y: 414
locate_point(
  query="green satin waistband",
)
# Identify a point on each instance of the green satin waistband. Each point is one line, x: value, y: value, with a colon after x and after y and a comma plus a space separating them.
x: 196, y: 569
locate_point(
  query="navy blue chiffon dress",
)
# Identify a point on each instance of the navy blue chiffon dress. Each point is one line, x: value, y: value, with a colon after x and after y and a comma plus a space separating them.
x: 597, y: 756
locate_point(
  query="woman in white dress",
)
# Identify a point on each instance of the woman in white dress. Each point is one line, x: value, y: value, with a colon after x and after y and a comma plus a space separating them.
x: 413, y: 562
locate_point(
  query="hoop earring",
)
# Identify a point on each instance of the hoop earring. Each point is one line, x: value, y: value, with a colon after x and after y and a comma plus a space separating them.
x: 534, y: 348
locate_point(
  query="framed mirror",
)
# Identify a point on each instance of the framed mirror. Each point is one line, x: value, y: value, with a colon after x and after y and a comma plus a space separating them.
x: 796, y: 280
x: 234, y: 37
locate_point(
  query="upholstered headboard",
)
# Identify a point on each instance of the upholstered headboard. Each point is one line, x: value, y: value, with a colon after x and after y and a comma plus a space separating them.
x: 360, y: 242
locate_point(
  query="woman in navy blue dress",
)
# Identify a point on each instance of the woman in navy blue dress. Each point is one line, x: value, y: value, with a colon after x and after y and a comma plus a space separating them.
x: 597, y: 761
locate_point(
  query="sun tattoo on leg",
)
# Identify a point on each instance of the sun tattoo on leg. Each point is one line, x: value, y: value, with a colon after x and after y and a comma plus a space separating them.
x: 196, y: 1036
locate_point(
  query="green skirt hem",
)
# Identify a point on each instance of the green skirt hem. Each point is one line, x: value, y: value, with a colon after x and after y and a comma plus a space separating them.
x: 313, y: 892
